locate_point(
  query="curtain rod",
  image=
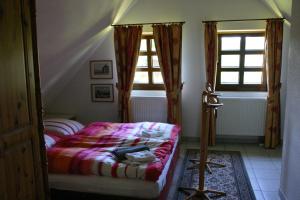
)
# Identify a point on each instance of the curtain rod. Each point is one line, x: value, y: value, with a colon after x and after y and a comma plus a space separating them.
x: 147, y: 23
x: 241, y: 20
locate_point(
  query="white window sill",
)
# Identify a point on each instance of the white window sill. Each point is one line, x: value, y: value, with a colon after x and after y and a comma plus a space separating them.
x: 148, y: 93
x: 231, y: 95
x: 243, y: 95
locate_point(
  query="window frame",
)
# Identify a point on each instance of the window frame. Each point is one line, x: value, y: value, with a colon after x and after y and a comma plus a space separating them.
x: 150, y: 69
x: 241, y: 69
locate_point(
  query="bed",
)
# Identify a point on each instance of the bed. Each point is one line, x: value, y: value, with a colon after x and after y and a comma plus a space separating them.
x: 83, y: 161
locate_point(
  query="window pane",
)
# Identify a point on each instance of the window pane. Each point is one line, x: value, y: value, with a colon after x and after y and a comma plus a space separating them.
x: 141, y: 77
x: 143, y: 46
x: 253, y: 78
x: 142, y: 61
x: 153, y: 45
x: 230, y: 43
x: 254, y: 60
x: 230, y: 61
x: 157, y: 77
x: 229, y: 77
x: 255, y: 43
x: 155, y: 62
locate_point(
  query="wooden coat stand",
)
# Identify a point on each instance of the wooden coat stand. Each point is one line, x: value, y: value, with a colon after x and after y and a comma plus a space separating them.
x: 201, y: 191
x: 213, y: 99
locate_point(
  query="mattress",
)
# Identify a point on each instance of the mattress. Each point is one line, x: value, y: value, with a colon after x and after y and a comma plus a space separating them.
x: 113, y: 186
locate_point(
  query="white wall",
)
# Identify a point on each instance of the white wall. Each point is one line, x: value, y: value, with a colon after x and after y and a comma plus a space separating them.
x: 290, y: 176
x: 193, y: 68
x: 68, y: 33
x: 75, y: 97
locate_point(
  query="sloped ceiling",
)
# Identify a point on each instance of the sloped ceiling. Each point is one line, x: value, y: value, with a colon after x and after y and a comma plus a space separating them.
x: 68, y: 32
x: 283, y: 8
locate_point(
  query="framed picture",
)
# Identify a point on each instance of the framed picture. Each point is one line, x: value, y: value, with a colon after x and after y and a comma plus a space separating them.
x: 102, y: 92
x: 101, y: 69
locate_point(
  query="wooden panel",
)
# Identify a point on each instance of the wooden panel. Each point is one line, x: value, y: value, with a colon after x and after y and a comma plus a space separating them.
x: 34, y: 91
x: 23, y: 173
x: 19, y: 171
x: 13, y: 101
x: 3, y: 187
x: 38, y: 142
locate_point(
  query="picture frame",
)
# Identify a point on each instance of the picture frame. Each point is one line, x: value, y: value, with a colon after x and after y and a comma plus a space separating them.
x: 101, y: 69
x: 102, y: 92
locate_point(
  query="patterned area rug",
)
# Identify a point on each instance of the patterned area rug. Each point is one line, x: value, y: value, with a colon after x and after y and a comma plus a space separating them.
x: 232, y: 179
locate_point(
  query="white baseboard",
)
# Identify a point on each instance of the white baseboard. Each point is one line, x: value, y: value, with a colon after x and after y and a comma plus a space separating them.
x: 228, y: 139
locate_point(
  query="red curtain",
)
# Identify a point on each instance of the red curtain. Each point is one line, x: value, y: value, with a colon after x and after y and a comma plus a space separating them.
x: 211, y: 54
x: 168, y: 39
x: 127, y: 41
x: 273, y: 51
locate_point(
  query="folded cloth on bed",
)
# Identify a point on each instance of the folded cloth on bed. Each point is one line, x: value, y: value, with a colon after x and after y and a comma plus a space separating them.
x: 120, y: 153
x: 151, y: 133
x: 141, y: 156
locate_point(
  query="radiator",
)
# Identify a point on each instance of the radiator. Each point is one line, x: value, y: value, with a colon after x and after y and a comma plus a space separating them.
x: 152, y: 109
x: 241, y: 116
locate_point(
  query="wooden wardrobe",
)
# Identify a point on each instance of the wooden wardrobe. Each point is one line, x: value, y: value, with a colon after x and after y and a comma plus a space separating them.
x: 23, y: 172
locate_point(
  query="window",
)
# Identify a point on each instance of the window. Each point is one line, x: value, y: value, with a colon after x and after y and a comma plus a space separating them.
x: 147, y: 74
x: 241, y: 62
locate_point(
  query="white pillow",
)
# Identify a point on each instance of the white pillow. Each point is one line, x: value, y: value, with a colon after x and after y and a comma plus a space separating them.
x: 51, y: 138
x: 63, y: 126
x: 49, y: 141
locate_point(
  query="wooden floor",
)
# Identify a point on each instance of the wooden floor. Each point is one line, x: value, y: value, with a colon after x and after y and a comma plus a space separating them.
x: 263, y: 167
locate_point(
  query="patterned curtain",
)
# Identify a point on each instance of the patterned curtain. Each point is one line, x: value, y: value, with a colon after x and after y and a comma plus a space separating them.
x: 274, y: 35
x: 168, y: 39
x: 211, y: 54
x: 127, y: 41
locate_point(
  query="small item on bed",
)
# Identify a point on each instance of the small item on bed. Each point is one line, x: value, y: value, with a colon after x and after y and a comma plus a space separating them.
x: 120, y: 152
x: 151, y: 133
x: 51, y: 138
x: 145, y: 156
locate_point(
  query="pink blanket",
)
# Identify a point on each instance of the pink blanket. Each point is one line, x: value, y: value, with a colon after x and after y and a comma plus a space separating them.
x: 89, y: 151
